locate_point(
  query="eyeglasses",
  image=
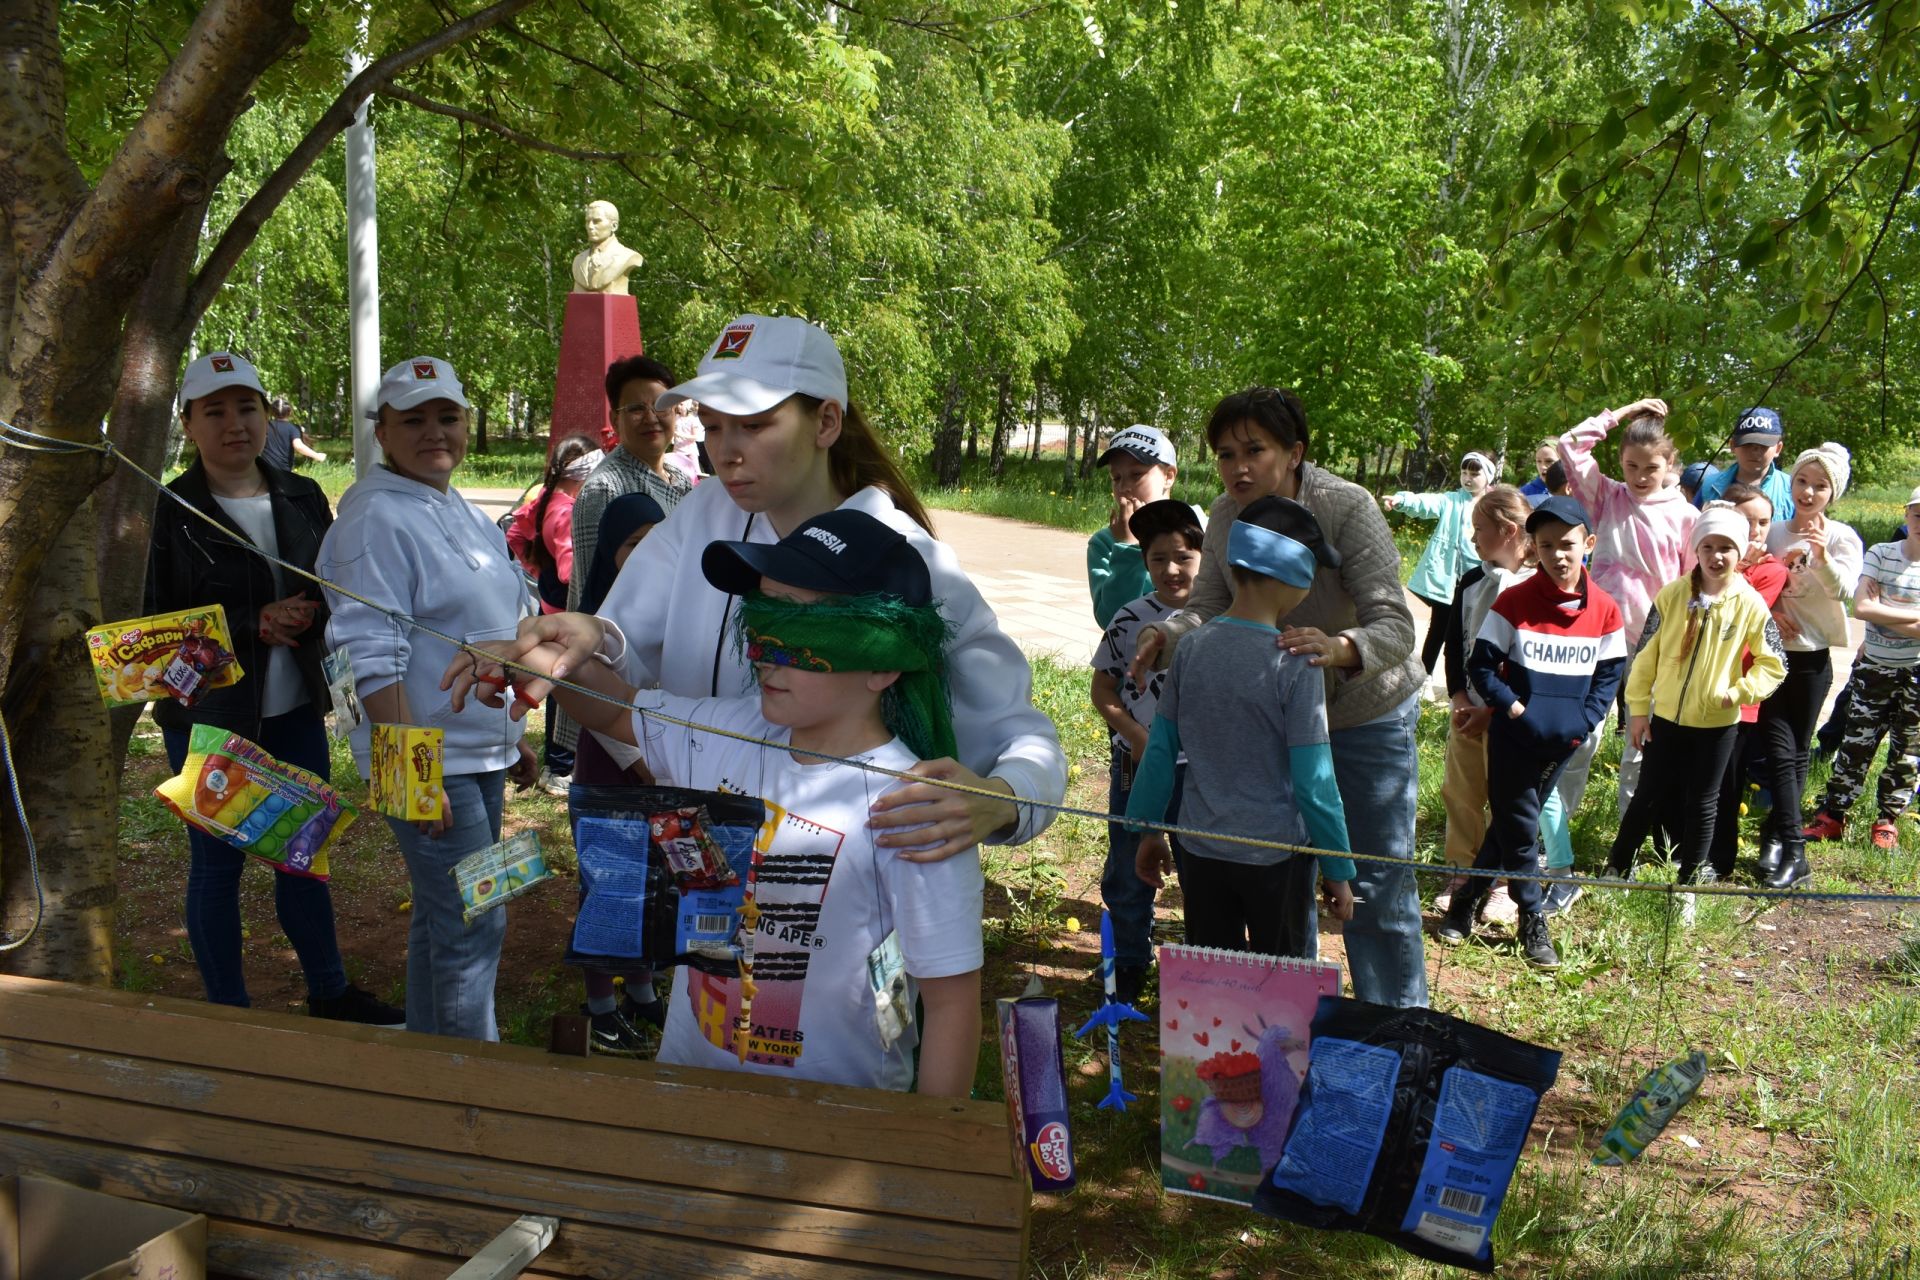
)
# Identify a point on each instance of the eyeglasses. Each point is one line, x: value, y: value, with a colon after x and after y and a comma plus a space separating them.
x: 641, y: 411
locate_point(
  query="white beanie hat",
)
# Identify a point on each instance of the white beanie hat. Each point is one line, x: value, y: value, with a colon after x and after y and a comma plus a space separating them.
x: 1834, y: 460
x: 1721, y: 518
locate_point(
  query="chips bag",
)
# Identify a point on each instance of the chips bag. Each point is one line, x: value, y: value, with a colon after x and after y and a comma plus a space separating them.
x: 232, y: 790
x: 1410, y: 1127
x: 169, y: 655
x: 645, y: 906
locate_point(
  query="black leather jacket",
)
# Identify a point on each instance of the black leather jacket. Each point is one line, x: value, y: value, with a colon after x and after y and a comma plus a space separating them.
x: 191, y: 564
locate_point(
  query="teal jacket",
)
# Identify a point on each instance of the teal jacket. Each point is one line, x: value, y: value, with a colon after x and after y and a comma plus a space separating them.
x: 1116, y: 575
x: 1449, y: 550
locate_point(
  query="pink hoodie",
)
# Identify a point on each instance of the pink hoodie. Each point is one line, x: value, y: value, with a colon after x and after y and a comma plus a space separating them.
x: 1643, y: 545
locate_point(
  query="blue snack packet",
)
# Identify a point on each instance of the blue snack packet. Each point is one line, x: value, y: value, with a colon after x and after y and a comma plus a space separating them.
x: 1410, y: 1127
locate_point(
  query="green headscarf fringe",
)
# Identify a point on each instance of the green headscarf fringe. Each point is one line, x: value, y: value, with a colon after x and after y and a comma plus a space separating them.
x: 865, y: 633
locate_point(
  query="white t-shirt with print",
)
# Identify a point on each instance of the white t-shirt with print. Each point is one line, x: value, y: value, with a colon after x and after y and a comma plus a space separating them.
x: 1114, y: 655
x: 827, y: 898
x: 1899, y: 581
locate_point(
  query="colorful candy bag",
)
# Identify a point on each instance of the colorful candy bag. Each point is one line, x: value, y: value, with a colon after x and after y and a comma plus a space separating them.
x: 489, y: 878
x: 1410, y: 1127
x: 229, y: 788
x: 1662, y: 1093
x: 1036, y: 1086
x: 404, y: 771
x: 169, y: 655
x: 643, y: 906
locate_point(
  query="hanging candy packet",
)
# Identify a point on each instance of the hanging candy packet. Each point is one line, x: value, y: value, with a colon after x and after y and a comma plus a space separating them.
x: 231, y: 789
x: 404, y: 772
x: 645, y: 907
x: 337, y: 667
x: 169, y: 655
x: 1662, y: 1093
x: 1410, y: 1128
x: 1035, y: 1077
x: 499, y: 872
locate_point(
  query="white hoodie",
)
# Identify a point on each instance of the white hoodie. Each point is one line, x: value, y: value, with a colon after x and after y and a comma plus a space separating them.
x: 437, y: 558
x: 662, y: 594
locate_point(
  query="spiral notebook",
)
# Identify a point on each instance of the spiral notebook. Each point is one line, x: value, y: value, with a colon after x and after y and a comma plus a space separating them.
x: 1233, y: 1053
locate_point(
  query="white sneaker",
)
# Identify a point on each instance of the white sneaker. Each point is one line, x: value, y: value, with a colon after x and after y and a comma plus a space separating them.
x: 1499, y: 908
x: 550, y: 784
x: 1689, y: 907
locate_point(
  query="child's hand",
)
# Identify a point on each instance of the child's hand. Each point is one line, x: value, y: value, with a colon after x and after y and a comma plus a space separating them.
x: 1336, y: 899
x: 1639, y: 729
x: 1816, y: 539
x: 1136, y: 736
x: 1146, y: 648
x: 1472, y: 722
x: 1153, y: 859
x: 1649, y: 407
x: 1123, y: 509
x: 1517, y: 710
x: 1389, y: 502
x: 1730, y: 699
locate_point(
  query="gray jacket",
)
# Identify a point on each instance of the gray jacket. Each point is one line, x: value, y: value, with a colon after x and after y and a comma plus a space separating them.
x: 1362, y: 599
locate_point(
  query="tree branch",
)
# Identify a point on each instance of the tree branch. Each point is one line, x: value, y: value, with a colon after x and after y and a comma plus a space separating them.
x: 240, y: 233
x: 491, y: 125
x: 40, y: 185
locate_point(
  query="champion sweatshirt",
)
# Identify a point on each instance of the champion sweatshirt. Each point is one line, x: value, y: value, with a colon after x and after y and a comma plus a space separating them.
x: 437, y: 558
x: 1560, y: 653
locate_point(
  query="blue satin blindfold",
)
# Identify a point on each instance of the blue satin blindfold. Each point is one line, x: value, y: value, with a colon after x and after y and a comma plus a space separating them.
x: 1270, y: 554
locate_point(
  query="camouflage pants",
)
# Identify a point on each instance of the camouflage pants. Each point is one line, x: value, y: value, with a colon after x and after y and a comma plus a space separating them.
x: 1886, y: 702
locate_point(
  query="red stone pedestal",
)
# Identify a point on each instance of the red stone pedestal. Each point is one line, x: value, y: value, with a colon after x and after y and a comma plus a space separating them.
x: 599, y: 329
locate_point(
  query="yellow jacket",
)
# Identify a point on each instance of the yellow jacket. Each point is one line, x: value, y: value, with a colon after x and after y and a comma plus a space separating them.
x: 1689, y: 688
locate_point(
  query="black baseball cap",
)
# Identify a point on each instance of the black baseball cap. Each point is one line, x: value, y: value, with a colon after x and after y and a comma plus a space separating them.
x: 844, y: 552
x: 1290, y: 519
x: 1164, y: 516
x: 1560, y: 508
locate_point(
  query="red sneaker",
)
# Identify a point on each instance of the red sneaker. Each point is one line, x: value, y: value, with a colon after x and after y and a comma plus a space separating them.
x: 1885, y: 835
x: 1823, y: 827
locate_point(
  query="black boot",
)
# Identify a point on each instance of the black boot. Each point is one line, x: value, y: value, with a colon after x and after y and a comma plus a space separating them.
x: 1769, y: 861
x: 1535, y: 944
x: 1457, y: 925
x: 1793, y: 866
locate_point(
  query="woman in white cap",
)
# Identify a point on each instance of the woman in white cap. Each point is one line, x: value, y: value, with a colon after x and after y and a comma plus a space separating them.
x: 1449, y: 551
x: 787, y: 444
x: 1823, y: 559
x: 411, y: 544
x: 277, y: 625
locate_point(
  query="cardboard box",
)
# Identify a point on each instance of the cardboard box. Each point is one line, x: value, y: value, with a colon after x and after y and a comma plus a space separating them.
x: 52, y: 1231
x: 403, y: 776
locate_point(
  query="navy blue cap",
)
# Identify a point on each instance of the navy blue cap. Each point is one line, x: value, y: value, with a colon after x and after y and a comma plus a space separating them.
x: 1758, y: 426
x: 1561, y: 508
x: 843, y: 552
x: 1694, y: 476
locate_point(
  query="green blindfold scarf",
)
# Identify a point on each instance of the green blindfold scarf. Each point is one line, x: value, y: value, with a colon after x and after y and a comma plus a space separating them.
x: 862, y: 633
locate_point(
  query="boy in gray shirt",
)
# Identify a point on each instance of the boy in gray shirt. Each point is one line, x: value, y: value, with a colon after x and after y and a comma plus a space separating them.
x: 1252, y: 720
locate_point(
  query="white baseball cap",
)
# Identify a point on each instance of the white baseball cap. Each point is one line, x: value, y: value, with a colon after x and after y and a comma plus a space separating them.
x: 416, y: 381
x: 758, y: 361
x: 1144, y: 443
x: 216, y: 371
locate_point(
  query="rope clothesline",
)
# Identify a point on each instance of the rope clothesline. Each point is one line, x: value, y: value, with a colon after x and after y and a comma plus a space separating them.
x: 19, y: 437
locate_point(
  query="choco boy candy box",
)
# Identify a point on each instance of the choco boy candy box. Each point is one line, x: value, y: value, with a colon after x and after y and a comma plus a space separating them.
x: 403, y: 772
x: 1036, y: 1087
x: 233, y: 790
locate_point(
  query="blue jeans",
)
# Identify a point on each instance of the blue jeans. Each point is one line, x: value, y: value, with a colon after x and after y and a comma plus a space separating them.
x: 1378, y: 771
x: 304, y: 905
x: 451, y: 964
x: 1128, y: 898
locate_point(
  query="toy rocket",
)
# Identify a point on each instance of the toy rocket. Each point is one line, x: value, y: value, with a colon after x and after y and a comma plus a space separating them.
x: 1111, y: 1014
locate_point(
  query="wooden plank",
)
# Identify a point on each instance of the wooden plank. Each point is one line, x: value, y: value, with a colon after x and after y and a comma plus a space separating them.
x: 751, y: 1110
x: 768, y: 1224
x: 679, y: 1166
x: 246, y: 1251
x: 448, y: 1229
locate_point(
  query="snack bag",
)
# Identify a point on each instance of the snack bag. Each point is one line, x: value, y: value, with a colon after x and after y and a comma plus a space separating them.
x: 229, y: 788
x: 634, y: 913
x: 1410, y: 1127
x: 1035, y: 1076
x: 403, y: 776
x: 489, y: 878
x: 169, y: 655
x: 1662, y: 1093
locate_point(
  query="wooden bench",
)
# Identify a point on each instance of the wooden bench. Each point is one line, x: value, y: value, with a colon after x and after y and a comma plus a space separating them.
x: 318, y: 1149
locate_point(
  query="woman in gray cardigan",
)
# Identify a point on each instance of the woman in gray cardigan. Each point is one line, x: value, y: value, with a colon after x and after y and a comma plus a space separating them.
x: 1355, y: 623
